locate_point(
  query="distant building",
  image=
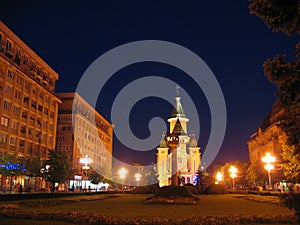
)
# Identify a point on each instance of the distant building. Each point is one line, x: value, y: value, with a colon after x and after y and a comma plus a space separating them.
x: 29, y: 106
x: 268, y: 138
x: 80, y: 137
x: 188, y: 151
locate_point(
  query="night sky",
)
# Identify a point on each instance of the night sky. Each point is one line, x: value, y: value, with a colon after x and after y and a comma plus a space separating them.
x: 234, y: 44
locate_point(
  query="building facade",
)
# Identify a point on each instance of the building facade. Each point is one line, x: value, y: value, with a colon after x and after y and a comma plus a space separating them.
x: 29, y: 106
x: 268, y: 138
x: 83, y: 132
x: 188, y: 151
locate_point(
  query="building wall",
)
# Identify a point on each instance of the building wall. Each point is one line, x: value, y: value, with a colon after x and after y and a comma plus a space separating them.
x: 28, y: 106
x: 78, y: 135
x: 268, y: 139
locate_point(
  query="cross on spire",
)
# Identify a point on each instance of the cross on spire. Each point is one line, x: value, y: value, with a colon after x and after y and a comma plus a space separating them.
x: 177, y: 90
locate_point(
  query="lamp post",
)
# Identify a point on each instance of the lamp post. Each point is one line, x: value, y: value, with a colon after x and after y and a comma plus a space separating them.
x: 85, y: 161
x: 137, y: 178
x: 233, y: 170
x: 269, y: 159
x: 122, y: 173
x: 219, y: 177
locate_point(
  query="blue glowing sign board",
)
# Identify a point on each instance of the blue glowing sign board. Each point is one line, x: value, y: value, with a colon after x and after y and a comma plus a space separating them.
x: 13, y: 166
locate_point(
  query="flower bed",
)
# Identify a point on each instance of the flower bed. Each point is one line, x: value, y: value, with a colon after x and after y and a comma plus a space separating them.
x: 93, y: 219
x: 41, y: 203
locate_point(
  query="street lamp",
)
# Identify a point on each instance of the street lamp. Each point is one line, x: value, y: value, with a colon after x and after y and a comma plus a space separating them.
x: 269, y: 159
x: 85, y: 161
x: 219, y: 177
x: 233, y: 173
x: 122, y: 173
x: 137, y: 178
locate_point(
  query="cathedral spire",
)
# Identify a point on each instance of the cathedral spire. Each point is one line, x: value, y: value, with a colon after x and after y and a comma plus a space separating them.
x: 177, y: 111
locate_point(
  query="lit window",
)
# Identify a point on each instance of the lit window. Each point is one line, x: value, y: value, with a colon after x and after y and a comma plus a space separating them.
x: 3, y: 138
x: 4, y: 121
x: 12, y: 141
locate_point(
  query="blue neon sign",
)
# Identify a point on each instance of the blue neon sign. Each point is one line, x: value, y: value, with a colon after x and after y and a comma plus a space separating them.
x: 13, y: 166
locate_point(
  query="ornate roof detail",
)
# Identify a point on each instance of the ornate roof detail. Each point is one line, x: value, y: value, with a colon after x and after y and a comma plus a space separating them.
x: 178, y: 128
x: 178, y: 110
x: 193, y: 141
x: 163, y: 142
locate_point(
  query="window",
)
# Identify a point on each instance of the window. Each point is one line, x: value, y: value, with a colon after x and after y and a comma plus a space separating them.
x: 17, y: 95
x: 16, y: 109
x: 14, y: 125
x: 8, y: 89
x: 19, y: 80
x: 10, y: 74
x: 33, y: 104
x: 18, y: 52
x: 23, y: 129
x: 22, y: 142
x: 46, y: 111
x: 12, y: 141
x: 40, y: 108
x: 4, y: 121
x: 27, y: 85
x: 47, y: 98
x: 8, y: 45
x: 25, y: 60
x: 6, y: 105
x: 3, y: 138
x: 52, y: 114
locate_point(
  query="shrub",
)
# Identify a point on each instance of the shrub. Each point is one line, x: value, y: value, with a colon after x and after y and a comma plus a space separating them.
x: 192, y: 188
x: 173, y: 195
x: 292, y: 201
x: 216, y: 189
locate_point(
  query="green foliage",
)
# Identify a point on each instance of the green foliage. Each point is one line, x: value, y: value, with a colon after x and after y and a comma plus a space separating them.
x: 60, y: 169
x: 173, y: 191
x: 33, y: 167
x: 285, y: 74
x: 291, y: 167
x: 95, y: 177
x: 292, y: 201
x: 256, y: 173
x: 279, y: 15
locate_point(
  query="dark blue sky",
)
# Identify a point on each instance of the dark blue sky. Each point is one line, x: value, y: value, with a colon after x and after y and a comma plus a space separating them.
x: 234, y: 44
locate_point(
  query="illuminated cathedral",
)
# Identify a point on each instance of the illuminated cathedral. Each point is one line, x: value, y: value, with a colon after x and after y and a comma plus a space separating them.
x: 188, y: 151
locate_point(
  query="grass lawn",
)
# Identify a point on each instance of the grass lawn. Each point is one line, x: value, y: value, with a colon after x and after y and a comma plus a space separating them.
x: 134, y: 206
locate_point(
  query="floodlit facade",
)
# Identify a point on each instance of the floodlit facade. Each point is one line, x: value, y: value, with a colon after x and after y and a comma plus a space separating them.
x: 29, y: 107
x: 80, y: 136
x: 268, y: 139
x: 188, y: 151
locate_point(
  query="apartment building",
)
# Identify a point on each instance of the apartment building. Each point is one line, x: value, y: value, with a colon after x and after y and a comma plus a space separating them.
x: 29, y: 107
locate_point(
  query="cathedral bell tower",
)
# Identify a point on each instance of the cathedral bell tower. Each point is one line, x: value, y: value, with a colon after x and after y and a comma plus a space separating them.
x: 187, y: 152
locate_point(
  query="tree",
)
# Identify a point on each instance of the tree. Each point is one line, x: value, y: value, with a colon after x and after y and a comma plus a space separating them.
x: 255, y: 174
x: 59, y: 167
x: 95, y: 177
x: 291, y: 167
x: 279, y: 15
x: 33, y: 168
x: 284, y: 15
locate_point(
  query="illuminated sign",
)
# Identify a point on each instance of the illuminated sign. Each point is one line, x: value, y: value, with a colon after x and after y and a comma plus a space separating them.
x: 13, y: 166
